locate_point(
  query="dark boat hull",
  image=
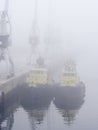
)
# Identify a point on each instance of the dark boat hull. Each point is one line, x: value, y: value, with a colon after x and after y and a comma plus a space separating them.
x: 69, y: 97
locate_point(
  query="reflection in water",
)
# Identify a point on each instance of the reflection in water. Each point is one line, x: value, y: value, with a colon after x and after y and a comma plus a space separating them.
x: 36, y: 116
x: 36, y: 103
x: 8, y: 107
x: 8, y: 123
x: 69, y: 101
x: 68, y: 115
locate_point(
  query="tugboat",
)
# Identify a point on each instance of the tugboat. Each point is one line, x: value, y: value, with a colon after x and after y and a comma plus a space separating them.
x: 38, y: 80
x: 70, y: 95
x: 70, y: 81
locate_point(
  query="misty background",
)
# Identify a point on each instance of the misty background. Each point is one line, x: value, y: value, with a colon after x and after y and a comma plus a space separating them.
x: 70, y: 25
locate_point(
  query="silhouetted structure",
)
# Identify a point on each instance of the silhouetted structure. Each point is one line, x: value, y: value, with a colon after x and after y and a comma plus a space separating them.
x: 5, y: 40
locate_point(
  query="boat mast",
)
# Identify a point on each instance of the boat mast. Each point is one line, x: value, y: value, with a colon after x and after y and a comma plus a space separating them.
x: 34, y: 38
x: 35, y: 16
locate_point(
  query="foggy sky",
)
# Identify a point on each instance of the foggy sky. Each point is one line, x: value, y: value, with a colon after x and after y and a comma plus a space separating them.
x: 74, y: 22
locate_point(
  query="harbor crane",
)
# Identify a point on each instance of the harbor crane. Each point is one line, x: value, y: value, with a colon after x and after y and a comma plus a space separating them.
x: 5, y: 39
x: 34, y: 38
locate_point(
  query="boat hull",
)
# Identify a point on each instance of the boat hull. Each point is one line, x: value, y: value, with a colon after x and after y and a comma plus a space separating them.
x: 69, y: 97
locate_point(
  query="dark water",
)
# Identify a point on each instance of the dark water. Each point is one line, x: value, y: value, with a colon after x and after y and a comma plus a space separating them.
x: 32, y: 109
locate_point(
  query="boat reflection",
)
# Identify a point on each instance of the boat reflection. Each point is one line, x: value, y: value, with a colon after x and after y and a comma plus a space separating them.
x: 36, y: 103
x: 69, y: 101
x: 7, y: 108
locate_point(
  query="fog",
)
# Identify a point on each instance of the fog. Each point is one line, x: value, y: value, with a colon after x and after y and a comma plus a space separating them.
x: 66, y: 29
x: 70, y: 25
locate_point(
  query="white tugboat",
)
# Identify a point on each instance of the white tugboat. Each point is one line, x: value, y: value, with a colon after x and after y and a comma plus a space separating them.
x: 70, y: 85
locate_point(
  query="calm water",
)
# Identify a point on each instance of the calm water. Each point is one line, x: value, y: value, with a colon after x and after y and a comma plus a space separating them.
x: 28, y: 109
